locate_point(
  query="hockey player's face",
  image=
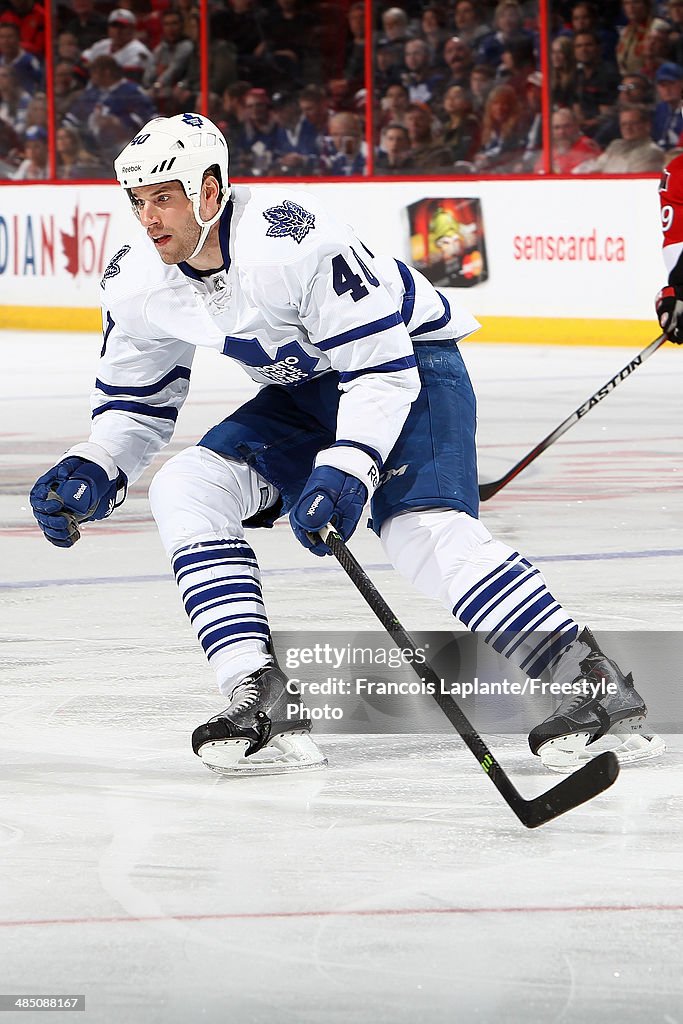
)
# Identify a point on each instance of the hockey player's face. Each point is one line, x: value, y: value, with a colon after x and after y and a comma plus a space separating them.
x: 166, y: 214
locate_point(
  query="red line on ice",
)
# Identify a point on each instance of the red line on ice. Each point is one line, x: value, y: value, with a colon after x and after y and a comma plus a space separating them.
x: 380, y: 912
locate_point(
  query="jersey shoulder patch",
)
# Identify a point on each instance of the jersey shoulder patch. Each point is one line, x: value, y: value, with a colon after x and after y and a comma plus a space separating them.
x: 289, y: 220
x: 113, y: 269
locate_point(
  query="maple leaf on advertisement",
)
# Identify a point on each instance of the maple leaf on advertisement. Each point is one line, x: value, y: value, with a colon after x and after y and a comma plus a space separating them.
x: 70, y: 246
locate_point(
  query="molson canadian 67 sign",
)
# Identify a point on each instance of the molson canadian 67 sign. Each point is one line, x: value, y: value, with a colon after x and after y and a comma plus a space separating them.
x: 72, y: 239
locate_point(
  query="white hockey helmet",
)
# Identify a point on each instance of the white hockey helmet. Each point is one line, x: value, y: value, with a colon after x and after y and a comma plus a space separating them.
x: 179, y: 148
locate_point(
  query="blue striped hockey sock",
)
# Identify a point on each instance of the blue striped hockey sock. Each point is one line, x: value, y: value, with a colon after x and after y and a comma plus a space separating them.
x: 220, y: 585
x: 517, y: 615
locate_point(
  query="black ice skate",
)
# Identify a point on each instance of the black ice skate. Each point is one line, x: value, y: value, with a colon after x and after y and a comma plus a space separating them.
x: 603, y: 700
x: 263, y: 731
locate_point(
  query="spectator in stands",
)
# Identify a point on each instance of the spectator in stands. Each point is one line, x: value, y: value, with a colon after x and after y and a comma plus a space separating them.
x: 503, y: 132
x: 569, y: 147
x: 420, y: 78
x: 121, y: 44
x: 74, y: 162
x: 343, y: 152
x: 657, y: 47
x: 675, y: 16
x: 634, y: 152
x: 462, y: 130
x: 393, y: 105
x: 562, y: 72
x: 388, y: 67
x: 14, y: 100
x: 240, y: 23
x: 584, y: 19
x: 67, y: 86
x: 26, y: 66
x: 29, y: 16
x: 508, y: 23
x: 233, y: 112
x: 315, y: 108
x: 667, y: 120
x: 110, y: 110
x: 34, y: 165
x: 286, y: 43
x: 482, y: 80
x: 68, y: 48
x: 339, y: 95
x: 169, y: 63
x: 354, y: 53
x: 596, y: 83
x: 36, y: 112
x: 433, y: 31
x: 459, y: 61
x: 469, y: 23
x: 533, y: 143
x: 395, y: 34
x: 85, y: 23
x: 630, y: 48
x: 186, y: 91
x: 393, y: 155
x: 296, y: 143
x: 633, y: 89
x: 9, y: 149
x: 428, y: 154
x: 517, y: 62
x: 255, y: 141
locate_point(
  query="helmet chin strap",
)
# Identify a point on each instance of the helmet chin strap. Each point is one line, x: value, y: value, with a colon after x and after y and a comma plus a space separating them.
x: 206, y: 225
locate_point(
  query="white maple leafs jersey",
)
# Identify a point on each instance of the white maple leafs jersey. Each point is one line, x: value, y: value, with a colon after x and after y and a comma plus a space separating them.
x: 299, y: 295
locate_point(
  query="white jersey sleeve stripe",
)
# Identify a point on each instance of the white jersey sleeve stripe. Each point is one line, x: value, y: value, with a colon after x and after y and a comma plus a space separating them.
x: 408, y: 304
x: 404, y: 363
x: 385, y: 323
x: 145, y: 390
x: 157, y: 412
x: 434, y: 325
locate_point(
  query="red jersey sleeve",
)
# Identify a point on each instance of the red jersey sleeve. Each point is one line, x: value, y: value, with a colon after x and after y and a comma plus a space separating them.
x: 671, y: 201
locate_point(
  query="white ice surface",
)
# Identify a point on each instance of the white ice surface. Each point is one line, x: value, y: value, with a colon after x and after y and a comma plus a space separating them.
x: 396, y: 887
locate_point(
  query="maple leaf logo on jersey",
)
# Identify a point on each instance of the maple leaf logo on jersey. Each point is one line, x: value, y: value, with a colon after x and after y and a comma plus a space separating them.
x: 113, y: 268
x: 289, y: 221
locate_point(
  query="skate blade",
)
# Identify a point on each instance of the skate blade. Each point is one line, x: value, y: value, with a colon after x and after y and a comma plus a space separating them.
x: 567, y: 753
x: 287, y: 752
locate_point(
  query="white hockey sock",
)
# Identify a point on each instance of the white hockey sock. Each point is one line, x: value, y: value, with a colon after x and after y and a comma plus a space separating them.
x: 489, y: 587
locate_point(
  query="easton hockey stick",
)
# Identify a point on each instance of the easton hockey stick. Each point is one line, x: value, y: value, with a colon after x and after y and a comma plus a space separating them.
x: 592, y: 778
x: 487, y: 491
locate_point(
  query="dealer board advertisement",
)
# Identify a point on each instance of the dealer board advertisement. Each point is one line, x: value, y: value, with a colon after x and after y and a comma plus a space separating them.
x: 505, y: 248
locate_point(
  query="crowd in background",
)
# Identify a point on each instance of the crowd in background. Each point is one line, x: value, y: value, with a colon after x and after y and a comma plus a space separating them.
x: 456, y: 85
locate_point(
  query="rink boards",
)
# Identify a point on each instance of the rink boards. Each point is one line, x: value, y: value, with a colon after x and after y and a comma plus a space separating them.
x: 553, y: 261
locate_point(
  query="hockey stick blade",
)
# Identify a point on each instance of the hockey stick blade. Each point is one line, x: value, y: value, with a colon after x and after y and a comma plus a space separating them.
x: 487, y: 490
x: 591, y: 779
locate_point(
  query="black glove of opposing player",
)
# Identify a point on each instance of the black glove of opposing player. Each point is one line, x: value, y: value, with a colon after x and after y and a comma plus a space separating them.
x: 669, y: 306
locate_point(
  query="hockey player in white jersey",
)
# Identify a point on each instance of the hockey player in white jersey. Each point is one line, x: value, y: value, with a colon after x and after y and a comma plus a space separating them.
x: 364, y: 396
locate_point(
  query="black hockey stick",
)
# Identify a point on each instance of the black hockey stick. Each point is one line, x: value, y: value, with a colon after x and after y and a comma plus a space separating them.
x: 487, y: 491
x: 592, y: 778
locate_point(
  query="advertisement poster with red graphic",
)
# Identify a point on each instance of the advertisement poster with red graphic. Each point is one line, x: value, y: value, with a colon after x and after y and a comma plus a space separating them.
x: 447, y: 241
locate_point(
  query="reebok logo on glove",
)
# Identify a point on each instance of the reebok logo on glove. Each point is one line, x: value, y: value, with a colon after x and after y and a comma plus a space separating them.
x: 316, y: 501
x: 80, y: 492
